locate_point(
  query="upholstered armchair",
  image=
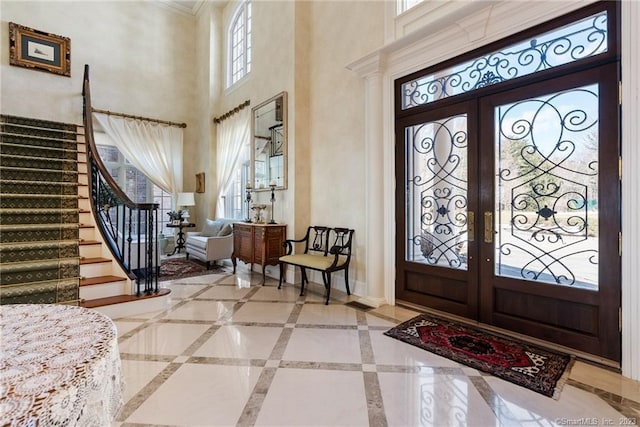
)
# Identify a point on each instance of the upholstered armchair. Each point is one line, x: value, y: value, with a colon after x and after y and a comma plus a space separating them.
x: 214, y: 242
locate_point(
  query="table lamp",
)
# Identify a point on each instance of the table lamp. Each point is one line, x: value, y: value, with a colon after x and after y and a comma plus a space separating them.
x: 185, y: 200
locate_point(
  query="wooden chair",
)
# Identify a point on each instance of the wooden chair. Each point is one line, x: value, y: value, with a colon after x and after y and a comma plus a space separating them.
x: 326, y: 250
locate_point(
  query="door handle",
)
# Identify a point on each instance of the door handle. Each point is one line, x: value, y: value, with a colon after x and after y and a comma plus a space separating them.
x: 471, y: 226
x: 488, y: 227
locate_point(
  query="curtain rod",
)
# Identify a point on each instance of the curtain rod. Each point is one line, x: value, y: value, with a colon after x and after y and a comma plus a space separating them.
x: 147, y: 119
x: 230, y: 113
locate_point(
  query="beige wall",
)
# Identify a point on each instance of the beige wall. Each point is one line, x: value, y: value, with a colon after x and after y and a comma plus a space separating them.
x: 141, y: 59
x: 149, y: 61
x: 272, y: 71
x: 208, y: 86
x: 303, y: 48
x: 340, y: 32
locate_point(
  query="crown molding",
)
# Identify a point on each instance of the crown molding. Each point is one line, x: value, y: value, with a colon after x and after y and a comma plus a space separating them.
x: 187, y: 8
x: 369, y: 64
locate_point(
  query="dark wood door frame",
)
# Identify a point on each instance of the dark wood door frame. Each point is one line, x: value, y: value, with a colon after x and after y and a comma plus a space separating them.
x: 583, y: 319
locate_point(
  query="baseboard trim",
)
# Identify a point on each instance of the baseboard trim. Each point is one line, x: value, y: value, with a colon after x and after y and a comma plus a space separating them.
x: 371, y: 302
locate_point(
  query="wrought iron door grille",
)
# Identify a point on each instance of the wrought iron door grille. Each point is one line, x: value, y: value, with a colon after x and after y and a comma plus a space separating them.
x: 437, y: 192
x: 547, y: 188
x: 578, y: 40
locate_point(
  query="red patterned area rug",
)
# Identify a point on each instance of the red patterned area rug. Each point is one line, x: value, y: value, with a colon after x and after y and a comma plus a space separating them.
x: 180, y: 268
x: 535, y: 368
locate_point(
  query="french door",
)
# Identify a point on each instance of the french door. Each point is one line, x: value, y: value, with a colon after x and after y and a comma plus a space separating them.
x: 508, y: 210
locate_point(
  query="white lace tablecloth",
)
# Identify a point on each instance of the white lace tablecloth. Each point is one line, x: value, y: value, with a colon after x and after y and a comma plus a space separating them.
x: 59, y: 366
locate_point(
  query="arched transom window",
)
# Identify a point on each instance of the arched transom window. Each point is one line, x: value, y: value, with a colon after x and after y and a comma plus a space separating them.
x: 240, y: 44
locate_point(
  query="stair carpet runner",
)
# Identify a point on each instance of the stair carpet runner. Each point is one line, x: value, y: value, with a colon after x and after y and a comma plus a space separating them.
x: 39, y: 236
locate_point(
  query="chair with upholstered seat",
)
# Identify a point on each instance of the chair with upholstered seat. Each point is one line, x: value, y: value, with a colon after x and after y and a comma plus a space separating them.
x: 326, y: 250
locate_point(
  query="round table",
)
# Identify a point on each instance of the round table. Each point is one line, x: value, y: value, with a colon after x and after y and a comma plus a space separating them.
x: 59, y: 366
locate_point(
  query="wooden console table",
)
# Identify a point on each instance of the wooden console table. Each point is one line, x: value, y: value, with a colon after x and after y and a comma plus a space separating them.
x: 258, y: 244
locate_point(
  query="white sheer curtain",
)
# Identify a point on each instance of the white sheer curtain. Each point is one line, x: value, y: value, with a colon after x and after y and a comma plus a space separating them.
x: 154, y: 149
x: 232, y: 134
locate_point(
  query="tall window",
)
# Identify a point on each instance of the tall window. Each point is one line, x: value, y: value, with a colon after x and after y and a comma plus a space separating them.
x: 134, y: 183
x: 233, y: 151
x: 235, y: 198
x: 240, y: 44
x: 404, y: 5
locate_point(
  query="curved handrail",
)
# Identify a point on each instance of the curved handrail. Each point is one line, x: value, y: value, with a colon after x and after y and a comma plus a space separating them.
x: 132, y: 220
x: 91, y: 147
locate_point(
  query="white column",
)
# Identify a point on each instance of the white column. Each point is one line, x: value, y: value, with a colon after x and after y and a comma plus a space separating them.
x: 630, y: 185
x: 370, y: 69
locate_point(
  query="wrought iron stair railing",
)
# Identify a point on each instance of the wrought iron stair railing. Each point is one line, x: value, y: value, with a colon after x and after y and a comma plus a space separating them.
x: 129, y: 229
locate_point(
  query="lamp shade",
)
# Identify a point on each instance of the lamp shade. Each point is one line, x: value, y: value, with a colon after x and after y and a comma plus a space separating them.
x: 186, y: 199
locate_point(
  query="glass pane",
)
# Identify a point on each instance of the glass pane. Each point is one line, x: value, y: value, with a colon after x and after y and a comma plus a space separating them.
x: 136, y: 185
x: 276, y: 169
x: 114, y: 171
x: 163, y: 199
x: 404, y: 5
x: 436, y: 155
x: 108, y: 153
x: 573, y: 42
x: 546, y: 213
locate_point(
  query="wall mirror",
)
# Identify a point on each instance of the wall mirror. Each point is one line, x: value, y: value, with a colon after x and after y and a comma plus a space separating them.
x: 269, y: 143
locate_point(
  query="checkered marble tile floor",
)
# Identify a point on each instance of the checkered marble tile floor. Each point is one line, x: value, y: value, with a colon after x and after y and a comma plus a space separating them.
x: 228, y: 351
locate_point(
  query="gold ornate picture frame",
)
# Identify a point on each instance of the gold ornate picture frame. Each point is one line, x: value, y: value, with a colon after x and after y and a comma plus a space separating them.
x: 200, y: 183
x: 39, y: 50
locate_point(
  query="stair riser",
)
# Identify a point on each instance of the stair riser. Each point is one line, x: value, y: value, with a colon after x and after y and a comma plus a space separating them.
x: 52, y: 273
x: 133, y: 308
x: 32, y: 217
x: 104, y: 290
x: 94, y: 270
x: 91, y: 251
x: 17, y: 202
x: 41, y: 133
x: 87, y: 233
x: 37, y: 151
x: 38, y: 293
x: 39, y: 235
x: 39, y: 175
x: 38, y: 163
x: 39, y: 254
x: 39, y: 142
x: 18, y: 187
x: 86, y: 217
x: 83, y: 191
x: 37, y: 123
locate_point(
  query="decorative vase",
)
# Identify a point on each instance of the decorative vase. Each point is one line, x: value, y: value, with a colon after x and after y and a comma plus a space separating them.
x: 162, y: 243
x: 257, y: 209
